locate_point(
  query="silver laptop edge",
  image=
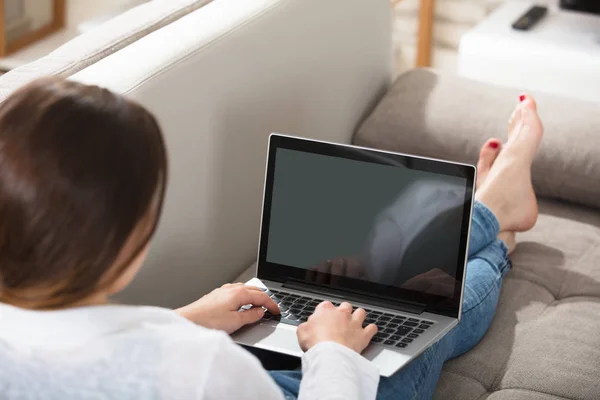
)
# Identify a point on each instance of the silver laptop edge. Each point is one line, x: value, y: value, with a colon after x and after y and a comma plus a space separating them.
x: 279, y: 337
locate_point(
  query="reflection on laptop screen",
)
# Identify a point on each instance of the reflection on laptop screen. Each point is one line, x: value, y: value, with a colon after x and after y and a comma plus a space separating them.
x: 391, y: 225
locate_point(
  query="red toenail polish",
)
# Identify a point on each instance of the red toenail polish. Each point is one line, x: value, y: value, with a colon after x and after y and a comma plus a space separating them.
x: 522, y: 97
x: 493, y: 145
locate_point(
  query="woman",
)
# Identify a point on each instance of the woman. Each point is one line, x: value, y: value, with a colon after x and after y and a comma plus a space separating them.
x: 82, y: 179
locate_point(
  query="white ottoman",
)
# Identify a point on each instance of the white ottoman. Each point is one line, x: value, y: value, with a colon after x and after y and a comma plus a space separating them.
x: 561, y: 54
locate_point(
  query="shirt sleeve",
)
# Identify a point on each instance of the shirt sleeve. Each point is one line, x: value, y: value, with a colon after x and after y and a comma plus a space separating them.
x: 332, y: 371
x: 237, y: 374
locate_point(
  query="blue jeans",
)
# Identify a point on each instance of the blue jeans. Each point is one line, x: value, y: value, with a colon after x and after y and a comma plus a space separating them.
x: 486, y: 268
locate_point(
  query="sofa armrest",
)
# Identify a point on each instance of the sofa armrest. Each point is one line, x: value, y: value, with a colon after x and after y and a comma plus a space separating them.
x: 92, y: 46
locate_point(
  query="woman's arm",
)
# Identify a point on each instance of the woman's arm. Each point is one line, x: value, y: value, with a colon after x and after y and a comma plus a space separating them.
x: 220, y: 308
x: 332, y: 371
x: 332, y: 339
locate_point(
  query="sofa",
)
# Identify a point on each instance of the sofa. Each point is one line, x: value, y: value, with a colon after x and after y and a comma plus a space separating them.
x: 222, y: 75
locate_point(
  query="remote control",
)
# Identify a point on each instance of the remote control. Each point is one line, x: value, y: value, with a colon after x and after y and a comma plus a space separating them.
x: 530, y: 18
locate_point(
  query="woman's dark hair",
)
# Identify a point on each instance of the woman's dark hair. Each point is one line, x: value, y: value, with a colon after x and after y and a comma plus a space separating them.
x: 81, y: 170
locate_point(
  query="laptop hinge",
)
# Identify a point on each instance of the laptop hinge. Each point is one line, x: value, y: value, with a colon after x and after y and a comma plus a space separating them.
x: 352, y: 295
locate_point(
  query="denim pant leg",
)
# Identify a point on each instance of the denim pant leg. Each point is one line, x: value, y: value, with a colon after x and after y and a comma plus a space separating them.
x: 289, y: 382
x: 486, y: 268
x: 418, y: 379
x: 484, y: 229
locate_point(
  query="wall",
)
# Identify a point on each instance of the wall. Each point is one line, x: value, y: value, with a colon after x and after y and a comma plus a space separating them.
x: 82, y: 10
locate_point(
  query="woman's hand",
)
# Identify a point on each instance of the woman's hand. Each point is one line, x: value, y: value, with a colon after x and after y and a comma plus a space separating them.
x: 340, y: 325
x: 219, y: 308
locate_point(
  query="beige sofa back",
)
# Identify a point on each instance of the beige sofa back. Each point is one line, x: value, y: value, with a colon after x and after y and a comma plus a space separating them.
x: 220, y: 80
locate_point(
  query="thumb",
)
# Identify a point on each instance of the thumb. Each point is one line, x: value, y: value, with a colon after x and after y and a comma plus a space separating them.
x: 251, y: 316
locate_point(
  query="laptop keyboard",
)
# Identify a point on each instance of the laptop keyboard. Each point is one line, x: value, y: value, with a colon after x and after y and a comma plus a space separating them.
x: 394, y: 330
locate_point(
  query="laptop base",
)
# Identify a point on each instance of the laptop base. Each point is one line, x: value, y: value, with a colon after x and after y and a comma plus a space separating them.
x: 281, y: 338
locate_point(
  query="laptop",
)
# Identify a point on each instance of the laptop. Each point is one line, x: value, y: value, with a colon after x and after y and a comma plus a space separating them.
x: 384, y: 231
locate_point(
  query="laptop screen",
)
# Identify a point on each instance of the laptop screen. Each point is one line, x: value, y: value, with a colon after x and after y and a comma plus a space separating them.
x: 377, y: 223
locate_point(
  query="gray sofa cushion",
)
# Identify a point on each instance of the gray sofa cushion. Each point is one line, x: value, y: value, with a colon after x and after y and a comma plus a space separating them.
x: 544, y: 342
x: 449, y: 117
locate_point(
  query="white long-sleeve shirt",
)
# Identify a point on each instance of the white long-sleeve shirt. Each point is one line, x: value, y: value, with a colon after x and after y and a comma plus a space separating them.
x: 127, y: 352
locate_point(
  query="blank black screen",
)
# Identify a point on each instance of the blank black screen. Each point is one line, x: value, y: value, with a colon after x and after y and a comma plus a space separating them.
x: 385, y: 224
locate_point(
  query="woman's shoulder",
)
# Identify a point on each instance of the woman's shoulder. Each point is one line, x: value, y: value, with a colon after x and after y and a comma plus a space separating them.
x: 162, y: 338
x: 151, y: 350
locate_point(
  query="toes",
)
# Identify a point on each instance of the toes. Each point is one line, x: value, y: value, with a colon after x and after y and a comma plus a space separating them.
x: 516, y: 117
x: 488, y: 153
x: 528, y: 101
x: 487, y: 156
x: 525, y: 116
x: 526, y: 130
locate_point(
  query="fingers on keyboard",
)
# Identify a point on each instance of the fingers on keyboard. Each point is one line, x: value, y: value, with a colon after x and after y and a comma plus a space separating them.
x: 393, y: 330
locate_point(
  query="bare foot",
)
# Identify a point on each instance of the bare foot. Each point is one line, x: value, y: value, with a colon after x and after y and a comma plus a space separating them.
x: 507, y: 189
x: 509, y: 239
x: 487, y: 156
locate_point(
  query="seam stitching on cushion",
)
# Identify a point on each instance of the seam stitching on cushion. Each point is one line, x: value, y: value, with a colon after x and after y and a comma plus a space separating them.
x: 548, y: 306
x: 555, y: 298
x: 518, y: 278
x: 193, y: 52
x: 484, y: 396
x: 470, y: 378
x: 580, y: 296
x: 536, y: 391
x: 581, y: 257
